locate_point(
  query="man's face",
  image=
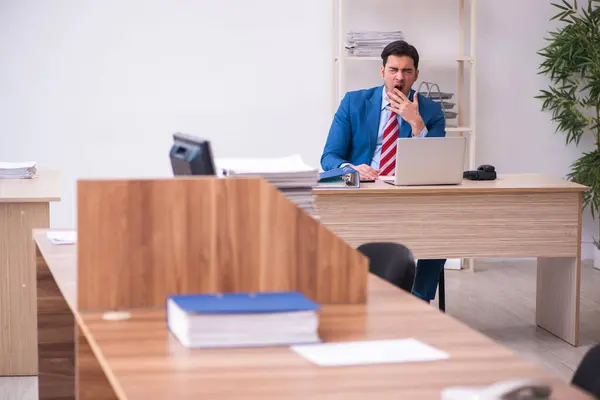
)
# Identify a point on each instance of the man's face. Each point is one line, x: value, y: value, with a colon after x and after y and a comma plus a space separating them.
x: 399, y: 72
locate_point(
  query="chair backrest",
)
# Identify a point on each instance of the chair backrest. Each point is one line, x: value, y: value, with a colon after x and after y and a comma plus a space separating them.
x: 393, y: 262
x: 587, y: 374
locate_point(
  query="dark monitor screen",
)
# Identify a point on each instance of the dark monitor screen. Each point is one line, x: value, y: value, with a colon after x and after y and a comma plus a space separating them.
x: 191, y: 155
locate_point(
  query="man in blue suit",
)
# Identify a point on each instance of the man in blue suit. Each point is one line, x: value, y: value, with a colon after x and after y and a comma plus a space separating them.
x: 367, y: 123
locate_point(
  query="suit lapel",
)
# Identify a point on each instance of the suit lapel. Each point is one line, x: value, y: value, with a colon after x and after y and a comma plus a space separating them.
x: 373, y: 116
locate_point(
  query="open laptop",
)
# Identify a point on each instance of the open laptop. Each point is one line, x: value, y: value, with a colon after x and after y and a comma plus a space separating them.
x: 429, y: 161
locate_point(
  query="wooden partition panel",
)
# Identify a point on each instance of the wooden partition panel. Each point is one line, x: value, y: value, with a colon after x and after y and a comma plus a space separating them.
x: 140, y: 240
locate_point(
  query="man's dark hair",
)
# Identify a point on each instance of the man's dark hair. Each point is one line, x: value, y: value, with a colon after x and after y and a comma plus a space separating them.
x: 400, y: 48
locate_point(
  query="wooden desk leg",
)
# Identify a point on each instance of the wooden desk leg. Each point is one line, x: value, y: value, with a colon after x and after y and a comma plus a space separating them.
x: 56, y: 338
x: 18, y: 354
x: 91, y: 383
x: 557, y: 298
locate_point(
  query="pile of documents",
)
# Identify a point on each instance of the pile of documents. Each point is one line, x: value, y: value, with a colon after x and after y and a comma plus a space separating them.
x: 370, y: 43
x: 290, y: 175
x: 20, y: 170
x: 243, y: 319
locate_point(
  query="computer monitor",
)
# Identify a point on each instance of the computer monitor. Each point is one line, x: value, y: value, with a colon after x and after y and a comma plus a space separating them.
x: 191, y: 155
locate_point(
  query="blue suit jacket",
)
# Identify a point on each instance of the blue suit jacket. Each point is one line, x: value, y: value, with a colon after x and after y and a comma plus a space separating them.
x: 353, y: 134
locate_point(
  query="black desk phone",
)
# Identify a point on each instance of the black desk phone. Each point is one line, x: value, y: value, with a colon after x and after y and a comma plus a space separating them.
x: 484, y: 172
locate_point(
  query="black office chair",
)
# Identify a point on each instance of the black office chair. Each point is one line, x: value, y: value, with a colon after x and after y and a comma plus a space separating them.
x: 391, y: 261
x: 587, y: 374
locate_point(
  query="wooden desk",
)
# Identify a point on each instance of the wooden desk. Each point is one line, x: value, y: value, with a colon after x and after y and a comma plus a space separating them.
x: 24, y: 205
x: 139, y: 359
x: 517, y: 215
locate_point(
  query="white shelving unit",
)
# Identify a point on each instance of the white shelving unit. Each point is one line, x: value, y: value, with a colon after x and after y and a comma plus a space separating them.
x: 444, y: 33
x: 415, y: 25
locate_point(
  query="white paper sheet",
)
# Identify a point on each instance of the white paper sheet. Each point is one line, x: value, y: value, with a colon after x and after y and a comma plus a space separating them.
x: 62, y: 237
x: 369, y: 352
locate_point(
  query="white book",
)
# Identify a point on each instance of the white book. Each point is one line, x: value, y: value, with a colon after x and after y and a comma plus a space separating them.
x: 242, y: 319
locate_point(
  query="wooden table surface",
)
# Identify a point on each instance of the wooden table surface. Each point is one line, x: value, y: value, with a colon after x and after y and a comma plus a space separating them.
x: 44, y: 188
x: 143, y: 361
x: 505, y: 183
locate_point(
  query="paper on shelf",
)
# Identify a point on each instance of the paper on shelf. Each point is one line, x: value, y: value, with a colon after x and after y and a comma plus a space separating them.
x: 17, y: 165
x: 369, y: 352
x: 370, y: 43
x: 18, y: 169
x: 62, y: 237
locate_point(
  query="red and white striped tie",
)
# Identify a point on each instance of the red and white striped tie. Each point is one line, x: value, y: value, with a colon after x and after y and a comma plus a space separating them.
x: 387, y: 165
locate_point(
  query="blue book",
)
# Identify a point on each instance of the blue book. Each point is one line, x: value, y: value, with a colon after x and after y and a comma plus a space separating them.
x: 243, y: 319
x: 244, y: 303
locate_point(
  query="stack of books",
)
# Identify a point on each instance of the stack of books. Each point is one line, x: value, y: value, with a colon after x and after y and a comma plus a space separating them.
x: 17, y: 170
x: 243, y: 319
x: 290, y: 175
x: 370, y: 43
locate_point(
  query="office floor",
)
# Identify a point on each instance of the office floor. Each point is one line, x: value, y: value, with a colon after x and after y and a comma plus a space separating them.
x: 498, y: 300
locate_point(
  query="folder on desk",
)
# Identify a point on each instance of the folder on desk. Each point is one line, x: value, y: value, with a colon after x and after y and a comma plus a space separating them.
x: 340, y: 177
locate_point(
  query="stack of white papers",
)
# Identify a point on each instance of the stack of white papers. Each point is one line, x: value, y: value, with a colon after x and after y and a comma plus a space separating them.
x: 369, y: 352
x: 62, y: 237
x: 17, y: 170
x: 370, y: 43
x: 290, y: 175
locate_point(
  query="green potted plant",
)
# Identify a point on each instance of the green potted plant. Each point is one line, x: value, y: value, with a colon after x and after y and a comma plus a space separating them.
x: 572, y: 62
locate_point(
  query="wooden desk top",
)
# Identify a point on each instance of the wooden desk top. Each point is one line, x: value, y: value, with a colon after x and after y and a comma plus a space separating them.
x: 143, y: 361
x: 62, y: 259
x: 44, y: 188
x: 506, y: 183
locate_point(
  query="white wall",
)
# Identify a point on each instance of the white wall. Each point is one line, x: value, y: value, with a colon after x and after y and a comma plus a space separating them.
x: 513, y: 134
x: 95, y: 88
